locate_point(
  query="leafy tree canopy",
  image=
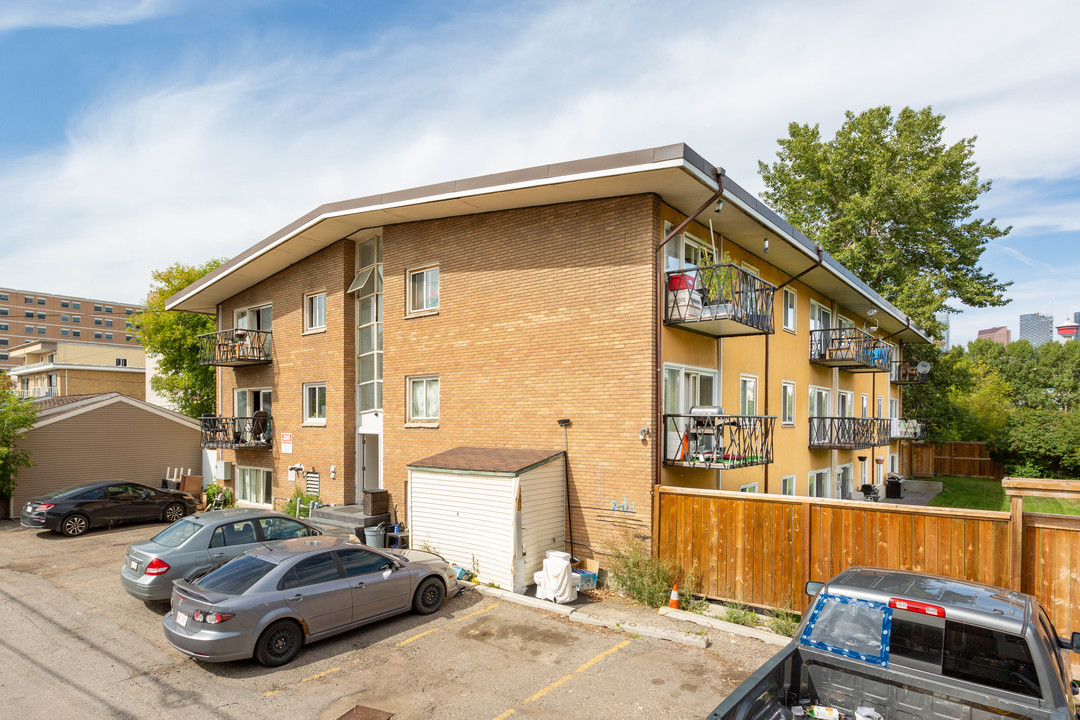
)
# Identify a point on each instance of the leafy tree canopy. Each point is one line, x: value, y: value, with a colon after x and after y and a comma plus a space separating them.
x: 171, y: 336
x: 17, y: 415
x: 894, y: 204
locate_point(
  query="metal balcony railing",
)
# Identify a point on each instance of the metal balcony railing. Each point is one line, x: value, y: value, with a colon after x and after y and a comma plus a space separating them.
x: 905, y: 372
x: 848, y: 433
x: 850, y: 349
x: 39, y: 392
x: 907, y: 429
x: 719, y: 300
x: 236, y: 348
x: 237, y: 432
x: 718, y: 441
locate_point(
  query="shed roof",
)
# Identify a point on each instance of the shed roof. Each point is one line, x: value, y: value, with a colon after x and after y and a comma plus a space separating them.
x: 513, y: 461
x: 55, y: 409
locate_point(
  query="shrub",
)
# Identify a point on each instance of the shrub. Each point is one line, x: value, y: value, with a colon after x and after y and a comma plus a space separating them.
x: 783, y: 622
x: 645, y: 578
x: 739, y: 614
x: 213, y: 490
x: 305, y: 499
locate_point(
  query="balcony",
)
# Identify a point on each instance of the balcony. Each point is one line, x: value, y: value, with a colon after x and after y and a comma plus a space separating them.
x: 905, y: 429
x: 719, y: 300
x: 849, y: 349
x: 236, y: 348
x: 848, y: 433
x: 905, y: 372
x: 39, y: 392
x: 709, y: 439
x: 237, y: 432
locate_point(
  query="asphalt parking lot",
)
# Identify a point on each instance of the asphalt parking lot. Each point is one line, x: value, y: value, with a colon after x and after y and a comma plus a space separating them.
x: 73, y: 643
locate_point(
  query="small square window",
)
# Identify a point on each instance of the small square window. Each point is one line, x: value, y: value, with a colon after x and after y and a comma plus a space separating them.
x: 29, y: 300
x: 64, y: 332
x: 108, y: 308
x: 315, y: 404
x: 65, y: 318
x: 3, y: 356
x: 787, y: 485
x: 97, y: 308
x: 29, y: 329
x: 108, y: 336
x: 315, y: 311
x: 76, y: 319
x: 29, y: 314
x: 41, y: 316
x: 3, y: 311
x: 424, y: 399
x: 3, y: 326
x: 424, y: 289
x: 108, y: 322
x: 64, y: 304
x: 127, y: 338
x: 128, y: 311
x: 3, y: 341
x: 76, y: 305
x: 41, y: 301
x: 76, y: 333
x: 121, y: 362
x: 97, y: 336
x: 41, y: 330
x: 97, y: 321
x: 3, y: 296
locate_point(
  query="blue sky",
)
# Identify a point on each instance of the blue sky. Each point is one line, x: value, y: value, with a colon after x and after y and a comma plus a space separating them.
x: 138, y: 133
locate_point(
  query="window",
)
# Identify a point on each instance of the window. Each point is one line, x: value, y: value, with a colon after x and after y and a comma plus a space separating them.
x: 894, y: 407
x: 3, y: 296
x: 128, y: 311
x: 97, y: 336
x: 97, y: 321
x: 787, y: 403
x: 311, y: 571
x: 819, y: 407
x: 232, y: 534
x: 65, y: 318
x: 747, y: 395
x: 369, y: 310
x: 819, y: 484
x: 76, y: 305
x: 29, y: 314
x: 41, y: 301
x: 315, y: 311
x: 684, y: 251
x: 3, y: 356
x: 254, y: 485
x: 76, y: 333
x: 64, y: 332
x: 121, y: 362
x: 127, y: 338
x: 64, y: 304
x: 41, y: 316
x: 108, y: 336
x: 97, y: 308
x: 423, y: 399
x: 820, y: 316
x: 108, y: 322
x: 249, y: 402
x: 3, y: 326
x: 865, y: 405
x: 424, y: 289
x: 362, y: 562
x: 76, y: 319
x: 3, y: 341
x: 256, y: 318
x: 787, y: 485
x: 315, y: 404
x: 108, y: 308
x: 29, y: 329
x: 989, y: 657
x: 3, y: 311
x: 879, y: 407
x: 28, y: 299
x: 749, y: 488
x: 845, y: 404
x: 789, y: 309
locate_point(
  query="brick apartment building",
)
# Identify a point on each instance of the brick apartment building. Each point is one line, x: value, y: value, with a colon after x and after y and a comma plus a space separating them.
x: 375, y: 332
x: 28, y: 316
x: 55, y: 368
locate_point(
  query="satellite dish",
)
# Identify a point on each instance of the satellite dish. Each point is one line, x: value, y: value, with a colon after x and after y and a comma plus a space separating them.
x: 923, y: 368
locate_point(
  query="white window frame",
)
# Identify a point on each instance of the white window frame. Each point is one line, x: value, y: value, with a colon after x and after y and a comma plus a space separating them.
x: 787, y: 485
x: 794, y: 310
x: 424, y: 272
x: 840, y: 483
x: 828, y: 400
x: 828, y: 482
x: 121, y: 362
x: 894, y: 407
x: 314, y: 316
x: 880, y: 407
x: 749, y: 487
x: 242, y: 484
x: 311, y: 417
x: 745, y: 381
x: 865, y: 407
x: 850, y: 397
x: 787, y: 392
x: 249, y: 401
x: 816, y: 309
x: 894, y: 462
x: 427, y: 420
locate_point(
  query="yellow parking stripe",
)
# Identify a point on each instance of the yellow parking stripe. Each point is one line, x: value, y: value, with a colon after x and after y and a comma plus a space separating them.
x: 564, y: 678
x: 324, y: 673
x: 107, y: 577
x: 463, y: 617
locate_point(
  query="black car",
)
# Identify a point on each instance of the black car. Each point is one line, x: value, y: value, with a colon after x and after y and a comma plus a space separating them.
x: 74, y: 510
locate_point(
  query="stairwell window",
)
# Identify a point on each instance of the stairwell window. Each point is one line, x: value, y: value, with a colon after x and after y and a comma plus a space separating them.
x: 789, y: 309
x: 787, y: 403
x: 424, y: 400
x: 315, y: 312
x: 748, y: 395
x: 315, y: 404
x: 424, y: 290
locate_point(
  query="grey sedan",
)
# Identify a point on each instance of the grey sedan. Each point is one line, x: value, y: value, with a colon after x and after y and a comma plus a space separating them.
x: 274, y: 598
x: 201, y: 542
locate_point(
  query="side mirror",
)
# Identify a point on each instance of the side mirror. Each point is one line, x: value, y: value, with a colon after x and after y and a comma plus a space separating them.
x: 813, y: 587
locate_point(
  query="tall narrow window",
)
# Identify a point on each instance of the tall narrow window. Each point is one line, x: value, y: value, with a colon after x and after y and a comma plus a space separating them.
x: 748, y: 395
x: 789, y: 309
x: 315, y: 404
x: 787, y: 485
x: 787, y: 403
x: 368, y: 287
x: 315, y: 311
x: 423, y: 399
x: 424, y: 289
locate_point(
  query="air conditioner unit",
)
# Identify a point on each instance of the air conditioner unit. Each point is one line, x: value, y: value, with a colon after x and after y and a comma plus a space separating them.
x: 223, y: 471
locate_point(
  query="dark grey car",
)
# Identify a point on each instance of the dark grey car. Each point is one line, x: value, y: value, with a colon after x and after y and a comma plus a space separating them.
x: 274, y: 598
x: 202, y: 542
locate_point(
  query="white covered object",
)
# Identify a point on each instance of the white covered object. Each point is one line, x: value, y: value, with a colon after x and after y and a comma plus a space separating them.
x: 557, y: 582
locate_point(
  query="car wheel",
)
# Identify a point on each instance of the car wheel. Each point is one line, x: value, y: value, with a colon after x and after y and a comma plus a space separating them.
x: 74, y: 525
x: 279, y: 643
x: 429, y: 596
x: 173, y: 512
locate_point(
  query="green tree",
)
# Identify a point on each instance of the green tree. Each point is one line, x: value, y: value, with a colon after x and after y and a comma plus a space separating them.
x: 17, y: 415
x: 894, y: 204
x: 171, y: 336
x: 950, y: 378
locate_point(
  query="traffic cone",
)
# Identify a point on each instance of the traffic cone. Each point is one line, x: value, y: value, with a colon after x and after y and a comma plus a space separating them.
x: 673, y: 603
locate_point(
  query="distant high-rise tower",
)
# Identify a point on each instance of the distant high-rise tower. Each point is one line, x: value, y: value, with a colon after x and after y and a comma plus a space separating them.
x: 943, y: 342
x: 1000, y: 335
x: 1076, y: 317
x: 1036, y: 328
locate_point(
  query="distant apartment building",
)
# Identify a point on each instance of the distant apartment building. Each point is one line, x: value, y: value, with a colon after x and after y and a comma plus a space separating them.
x: 59, y: 369
x: 27, y: 316
x: 1001, y: 335
x: 1036, y: 328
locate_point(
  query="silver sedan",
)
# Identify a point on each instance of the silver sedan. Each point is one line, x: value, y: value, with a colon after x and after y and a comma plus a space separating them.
x: 202, y: 542
x: 273, y: 599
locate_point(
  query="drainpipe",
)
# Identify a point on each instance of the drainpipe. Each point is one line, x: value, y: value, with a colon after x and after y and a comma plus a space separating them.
x: 765, y: 466
x: 658, y: 447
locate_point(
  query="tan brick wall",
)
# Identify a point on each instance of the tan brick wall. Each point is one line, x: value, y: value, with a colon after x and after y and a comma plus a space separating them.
x: 89, y: 382
x: 300, y: 358
x: 545, y: 313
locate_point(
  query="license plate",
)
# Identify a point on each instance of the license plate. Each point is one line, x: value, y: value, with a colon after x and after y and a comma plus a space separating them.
x: 181, y: 618
x: 133, y: 564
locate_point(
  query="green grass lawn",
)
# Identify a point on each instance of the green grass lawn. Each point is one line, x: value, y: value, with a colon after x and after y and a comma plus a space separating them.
x: 985, y: 494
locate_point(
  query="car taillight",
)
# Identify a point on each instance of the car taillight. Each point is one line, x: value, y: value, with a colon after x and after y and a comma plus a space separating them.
x: 157, y: 566
x: 211, y: 618
x: 45, y: 506
x: 918, y: 607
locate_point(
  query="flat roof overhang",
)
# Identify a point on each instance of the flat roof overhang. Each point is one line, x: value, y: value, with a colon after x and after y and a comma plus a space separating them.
x: 677, y: 174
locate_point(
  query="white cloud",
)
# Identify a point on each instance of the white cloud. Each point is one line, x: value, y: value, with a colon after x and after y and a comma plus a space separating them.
x: 21, y: 14
x: 211, y: 159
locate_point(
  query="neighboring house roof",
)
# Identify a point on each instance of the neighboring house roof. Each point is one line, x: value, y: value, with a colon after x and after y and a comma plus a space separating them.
x: 44, y: 367
x: 52, y: 410
x: 510, y: 461
x: 676, y: 173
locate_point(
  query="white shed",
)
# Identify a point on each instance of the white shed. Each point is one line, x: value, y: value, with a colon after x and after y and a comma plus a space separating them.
x: 497, y: 510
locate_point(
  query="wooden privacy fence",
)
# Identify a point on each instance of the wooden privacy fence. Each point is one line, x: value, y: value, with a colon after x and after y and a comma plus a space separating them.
x: 962, y: 459
x: 761, y: 549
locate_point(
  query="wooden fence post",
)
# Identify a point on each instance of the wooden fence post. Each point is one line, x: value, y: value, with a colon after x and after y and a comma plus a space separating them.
x: 1016, y: 541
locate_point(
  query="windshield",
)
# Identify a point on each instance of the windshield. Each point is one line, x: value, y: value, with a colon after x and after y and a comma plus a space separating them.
x: 176, y: 534
x: 236, y: 576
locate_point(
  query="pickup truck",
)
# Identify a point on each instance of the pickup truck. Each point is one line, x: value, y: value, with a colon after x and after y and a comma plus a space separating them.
x: 910, y: 646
